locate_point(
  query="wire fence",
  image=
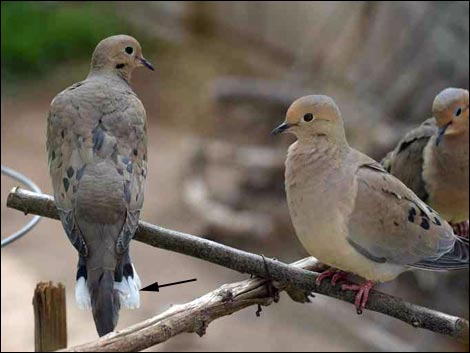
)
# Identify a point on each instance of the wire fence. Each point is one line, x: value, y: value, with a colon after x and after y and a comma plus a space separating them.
x: 33, y: 187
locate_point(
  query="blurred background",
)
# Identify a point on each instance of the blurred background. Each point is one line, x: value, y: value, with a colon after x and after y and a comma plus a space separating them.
x: 225, y: 74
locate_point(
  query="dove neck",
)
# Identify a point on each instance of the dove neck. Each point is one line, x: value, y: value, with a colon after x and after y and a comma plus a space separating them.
x: 118, y: 75
x: 329, y: 137
x: 322, y: 149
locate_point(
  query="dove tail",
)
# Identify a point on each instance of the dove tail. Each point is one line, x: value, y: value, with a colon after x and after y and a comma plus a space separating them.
x: 106, y: 280
x: 104, y: 300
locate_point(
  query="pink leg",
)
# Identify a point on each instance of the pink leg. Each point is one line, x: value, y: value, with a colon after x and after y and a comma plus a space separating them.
x: 461, y: 229
x: 362, y: 293
x: 335, y: 274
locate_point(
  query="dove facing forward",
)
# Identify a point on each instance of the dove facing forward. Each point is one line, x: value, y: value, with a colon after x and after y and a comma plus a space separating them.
x: 432, y: 159
x: 350, y: 213
x: 97, y: 154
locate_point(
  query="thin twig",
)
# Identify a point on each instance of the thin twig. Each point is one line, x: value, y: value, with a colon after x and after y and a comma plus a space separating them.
x: 244, y: 262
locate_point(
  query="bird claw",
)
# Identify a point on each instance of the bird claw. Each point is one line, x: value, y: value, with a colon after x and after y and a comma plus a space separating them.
x: 335, y: 275
x: 362, y: 294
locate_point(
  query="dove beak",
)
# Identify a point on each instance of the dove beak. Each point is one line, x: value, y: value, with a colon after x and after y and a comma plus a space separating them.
x: 441, y: 132
x: 146, y: 63
x: 280, y: 129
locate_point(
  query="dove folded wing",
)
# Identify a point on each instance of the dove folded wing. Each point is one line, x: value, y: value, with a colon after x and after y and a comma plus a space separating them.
x: 389, y: 222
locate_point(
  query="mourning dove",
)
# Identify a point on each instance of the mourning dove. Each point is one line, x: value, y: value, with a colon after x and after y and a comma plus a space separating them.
x: 432, y: 159
x: 351, y: 214
x: 97, y: 150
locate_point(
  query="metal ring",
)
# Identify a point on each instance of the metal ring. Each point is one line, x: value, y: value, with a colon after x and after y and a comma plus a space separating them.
x: 22, y: 179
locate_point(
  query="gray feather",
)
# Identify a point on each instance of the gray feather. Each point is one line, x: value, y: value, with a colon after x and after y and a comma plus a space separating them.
x: 456, y: 259
x: 104, y: 301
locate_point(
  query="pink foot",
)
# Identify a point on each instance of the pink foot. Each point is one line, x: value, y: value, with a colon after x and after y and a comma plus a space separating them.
x: 362, y: 293
x: 461, y: 229
x: 335, y: 275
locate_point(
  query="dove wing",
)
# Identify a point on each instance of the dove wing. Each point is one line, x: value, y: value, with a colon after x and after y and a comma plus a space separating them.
x: 389, y: 223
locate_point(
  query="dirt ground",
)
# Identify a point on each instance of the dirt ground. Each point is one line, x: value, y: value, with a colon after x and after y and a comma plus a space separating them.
x: 45, y: 254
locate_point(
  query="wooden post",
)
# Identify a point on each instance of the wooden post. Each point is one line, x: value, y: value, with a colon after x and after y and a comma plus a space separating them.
x: 50, y: 325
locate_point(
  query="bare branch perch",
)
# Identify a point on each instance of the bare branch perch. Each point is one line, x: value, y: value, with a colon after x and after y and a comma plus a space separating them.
x: 245, y: 262
x: 194, y: 316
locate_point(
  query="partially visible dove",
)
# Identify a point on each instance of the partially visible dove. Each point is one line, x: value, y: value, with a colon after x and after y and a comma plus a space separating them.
x: 432, y: 159
x: 350, y: 213
x: 97, y: 150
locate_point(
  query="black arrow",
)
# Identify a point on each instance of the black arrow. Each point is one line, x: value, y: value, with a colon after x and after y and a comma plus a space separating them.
x: 156, y: 287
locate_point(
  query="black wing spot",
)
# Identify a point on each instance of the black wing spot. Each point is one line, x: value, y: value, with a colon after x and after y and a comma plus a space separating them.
x: 70, y: 172
x: 66, y: 184
x: 437, y: 221
x: 129, y: 168
x: 425, y: 223
x: 423, y: 214
x: 80, y: 172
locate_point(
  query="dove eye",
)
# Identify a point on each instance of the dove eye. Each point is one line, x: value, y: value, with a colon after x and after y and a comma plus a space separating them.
x: 458, y: 111
x: 129, y: 50
x: 308, y: 117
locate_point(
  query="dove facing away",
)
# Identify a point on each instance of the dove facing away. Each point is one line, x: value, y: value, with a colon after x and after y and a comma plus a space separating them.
x: 350, y: 213
x: 432, y: 159
x: 97, y: 154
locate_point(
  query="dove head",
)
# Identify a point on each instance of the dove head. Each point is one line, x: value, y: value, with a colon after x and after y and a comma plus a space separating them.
x: 120, y: 55
x: 313, y: 116
x: 450, y: 108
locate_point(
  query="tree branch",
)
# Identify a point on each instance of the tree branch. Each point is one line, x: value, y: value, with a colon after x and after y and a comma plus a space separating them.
x: 194, y: 316
x: 244, y: 262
